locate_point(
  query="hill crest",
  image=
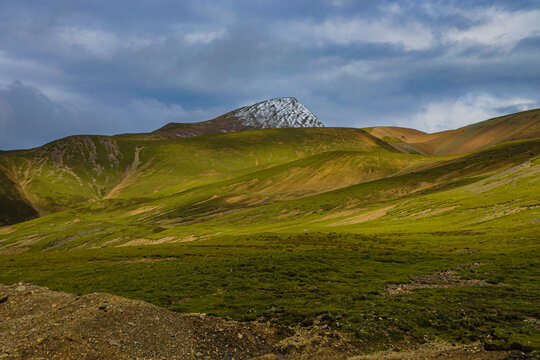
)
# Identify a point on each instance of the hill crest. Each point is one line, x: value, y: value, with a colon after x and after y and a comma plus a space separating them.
x: 284, y: 112
x: 521, y: 125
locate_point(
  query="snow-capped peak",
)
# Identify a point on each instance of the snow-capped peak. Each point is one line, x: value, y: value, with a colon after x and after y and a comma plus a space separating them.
x: 283, y: 112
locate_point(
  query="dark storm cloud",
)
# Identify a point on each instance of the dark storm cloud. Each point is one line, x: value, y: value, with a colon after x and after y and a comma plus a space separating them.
x: 114, y: 66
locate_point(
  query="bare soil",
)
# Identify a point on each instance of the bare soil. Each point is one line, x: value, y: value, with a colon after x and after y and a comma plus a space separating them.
x: 37, y: 323
x: 442, y: 279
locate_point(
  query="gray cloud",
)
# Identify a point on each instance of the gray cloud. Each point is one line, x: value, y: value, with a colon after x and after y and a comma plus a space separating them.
x: 125, y: 66
x: 29, y: 118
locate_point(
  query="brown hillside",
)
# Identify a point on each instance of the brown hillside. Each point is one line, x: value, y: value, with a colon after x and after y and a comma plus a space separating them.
x: 522, y: 125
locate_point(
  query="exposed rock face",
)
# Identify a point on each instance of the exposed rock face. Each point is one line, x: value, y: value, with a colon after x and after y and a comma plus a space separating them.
x: 277, y: 113
x: 284, y: 112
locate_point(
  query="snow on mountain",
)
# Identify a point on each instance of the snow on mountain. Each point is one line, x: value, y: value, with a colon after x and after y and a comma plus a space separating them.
x: 283, y: 112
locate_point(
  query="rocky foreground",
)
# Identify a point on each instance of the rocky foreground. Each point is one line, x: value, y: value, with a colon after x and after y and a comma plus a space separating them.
x: 37, y: 323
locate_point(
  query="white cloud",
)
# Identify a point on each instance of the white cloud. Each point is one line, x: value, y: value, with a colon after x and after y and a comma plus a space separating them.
x: 203, y: 37
x: 412, y: 36
x: 472, y: 108
x: 101, y: 43
x: 498, y: 28
x: 96, y: 42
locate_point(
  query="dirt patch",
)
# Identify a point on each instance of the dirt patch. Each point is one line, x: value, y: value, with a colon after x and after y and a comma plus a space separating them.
x: 144, y: 241
x: 289, y: 214
x: 245, y: 199
x: 188, y: 238
x: 430, y: 212
x: 109, y: 242
x: 163, y: 240
x: 442, y: 279
x: 438, y: 350
x: 506, y: 212
x: 337, y: 215
x: 130, y: 174
x: 7, y: 230
x: 13, y: 251
x: 146, y: 260
x: 371, y: 215
x: 206, y: 200
x: 142, y: 210
x: 24, y: 242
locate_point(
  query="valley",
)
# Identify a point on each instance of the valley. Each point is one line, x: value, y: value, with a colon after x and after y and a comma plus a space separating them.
x: 389, y: 237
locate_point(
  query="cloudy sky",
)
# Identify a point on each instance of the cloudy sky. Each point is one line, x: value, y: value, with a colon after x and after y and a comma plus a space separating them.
x: 104, y: 67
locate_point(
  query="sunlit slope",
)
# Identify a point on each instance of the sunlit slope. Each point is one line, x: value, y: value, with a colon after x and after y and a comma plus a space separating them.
x: 399, y: 137
x: 177, y: 165
x: 122, y: 219
x: 431, y: 193
x: 522, y: 125
x: 73, y: 171
x: 357, y: 207
x: 297, y: 179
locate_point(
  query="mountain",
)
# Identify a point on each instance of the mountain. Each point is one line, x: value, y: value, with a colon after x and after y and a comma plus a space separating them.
x: 204, y: 178
x: 522, y: 125
x: 275, y: 113
x: 390, y: 236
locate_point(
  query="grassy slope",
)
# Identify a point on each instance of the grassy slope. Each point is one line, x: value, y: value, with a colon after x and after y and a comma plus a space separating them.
x: 67, y: 172
x: 288, y: 255
x: 177, y: 165
x: 176, y: 175
x: 258, y: 201
x: 421, y: 195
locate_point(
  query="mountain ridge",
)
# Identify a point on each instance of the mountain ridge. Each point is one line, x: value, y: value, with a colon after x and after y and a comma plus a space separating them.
x: 268, y: 164
x: 283, y: 112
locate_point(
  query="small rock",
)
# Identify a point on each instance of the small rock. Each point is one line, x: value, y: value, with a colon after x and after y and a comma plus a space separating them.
x: 21, y: 288
x: 240, y: 336
x: 39, y: 340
